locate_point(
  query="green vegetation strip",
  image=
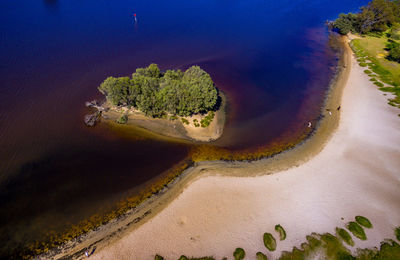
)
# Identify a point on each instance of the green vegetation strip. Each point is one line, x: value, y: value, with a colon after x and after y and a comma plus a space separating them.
x: 326, y: 246
x: 345, y: 236
x: 356, y: 230
x: 385, y: 71
x: 269, y: 241
x: 239, y: 253
x: 281, y: 231
x: 363, y: 221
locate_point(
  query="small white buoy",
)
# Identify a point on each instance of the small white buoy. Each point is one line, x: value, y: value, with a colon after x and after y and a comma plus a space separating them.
x: 309, y: 124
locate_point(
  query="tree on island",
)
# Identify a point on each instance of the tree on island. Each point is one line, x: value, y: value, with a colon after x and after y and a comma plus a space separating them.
x: 376, y: 16
x: 155, y: 93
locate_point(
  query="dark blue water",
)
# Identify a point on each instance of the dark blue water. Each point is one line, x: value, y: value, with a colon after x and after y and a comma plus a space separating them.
x: 271, y: 58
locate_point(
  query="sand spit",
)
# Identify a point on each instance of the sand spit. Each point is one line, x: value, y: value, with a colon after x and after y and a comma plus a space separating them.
x: 356, y: 173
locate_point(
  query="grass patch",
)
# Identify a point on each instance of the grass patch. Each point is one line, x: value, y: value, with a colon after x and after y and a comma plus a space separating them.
x: 373, y: 49
x: 363, y: 221
x: 269, y: 241
x: 372, y: 79
x: 397, y: 233
x: 362, y: 64
x: 185, y: 121
x: 345, y: 236
x: 172, y: 118
x: 261, y: 256
x: 158, y: 257
x: 281, y: 231
x: 367, y: 72
x: 239, y: 253
x: 196, y: 123
x: 356, y: 230
x: 123, y: 119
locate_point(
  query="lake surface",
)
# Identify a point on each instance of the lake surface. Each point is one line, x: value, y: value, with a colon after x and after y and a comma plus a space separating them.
x: 271, y: 58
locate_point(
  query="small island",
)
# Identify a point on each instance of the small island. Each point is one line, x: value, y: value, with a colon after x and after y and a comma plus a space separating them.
x: 172, y: 103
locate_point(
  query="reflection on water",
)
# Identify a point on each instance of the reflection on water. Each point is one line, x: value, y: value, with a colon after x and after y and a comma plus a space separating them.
x: 270, y: 58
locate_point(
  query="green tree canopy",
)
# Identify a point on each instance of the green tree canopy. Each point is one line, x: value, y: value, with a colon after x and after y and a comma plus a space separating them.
x: 156, y: 93
x: 376, y: 16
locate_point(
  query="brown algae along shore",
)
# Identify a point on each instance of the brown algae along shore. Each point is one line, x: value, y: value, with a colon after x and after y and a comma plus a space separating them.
x: 116, y: 228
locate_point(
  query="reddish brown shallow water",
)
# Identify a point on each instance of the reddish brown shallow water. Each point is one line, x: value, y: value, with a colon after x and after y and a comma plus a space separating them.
x: 271, y: 58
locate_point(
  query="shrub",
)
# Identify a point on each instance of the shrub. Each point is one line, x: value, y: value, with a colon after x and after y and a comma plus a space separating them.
x: 158, y: 257
x: 356, y: 230
x: 172, y: 118
x: 269, y: 241
x: 363, y: 221
x: 379, y: 84
x: 239, y: 254
x: 397, y: 231
x: 208, y: 119
x: 123, y: 119
x: 185, y: 121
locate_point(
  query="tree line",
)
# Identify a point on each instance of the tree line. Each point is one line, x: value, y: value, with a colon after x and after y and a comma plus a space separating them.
x: 376, y: 16
x: 156, y: 93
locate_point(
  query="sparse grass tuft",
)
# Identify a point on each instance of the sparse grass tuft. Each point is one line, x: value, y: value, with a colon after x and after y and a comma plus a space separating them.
x: 356, y: 230
x: 196, y: 122
x: 281, y: 231
x: 345, y: 236
x: 261, y: 256
x: 269, y: 241
x: 123, y: 119
x: 363, y: 221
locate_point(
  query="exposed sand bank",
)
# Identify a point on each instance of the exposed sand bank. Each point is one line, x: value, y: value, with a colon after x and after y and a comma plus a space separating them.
x: 356, y: 173
x: 171, y: 128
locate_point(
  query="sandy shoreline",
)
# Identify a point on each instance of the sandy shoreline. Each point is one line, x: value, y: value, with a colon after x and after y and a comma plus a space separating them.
x: 215, y: 214
x: 175, y: 130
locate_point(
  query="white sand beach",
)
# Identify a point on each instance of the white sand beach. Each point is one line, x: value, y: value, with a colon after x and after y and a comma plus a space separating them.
x: 356, y: 173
